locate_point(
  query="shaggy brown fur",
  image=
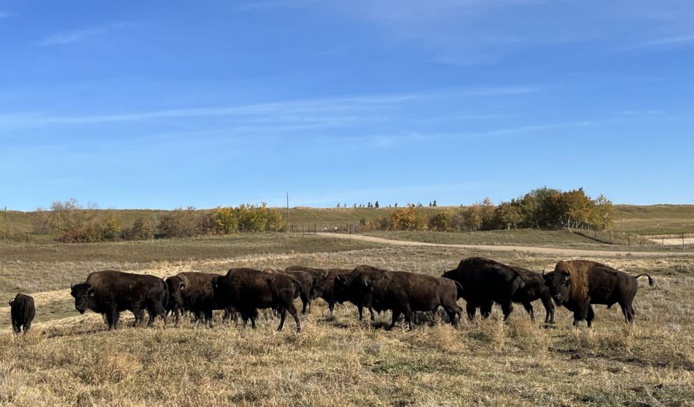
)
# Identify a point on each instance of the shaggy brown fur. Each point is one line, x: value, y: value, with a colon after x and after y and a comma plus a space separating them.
x: 578, y: 270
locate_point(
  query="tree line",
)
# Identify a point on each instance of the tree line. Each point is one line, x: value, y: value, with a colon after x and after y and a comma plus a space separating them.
x: 72, y: 223
x: 542, y: 208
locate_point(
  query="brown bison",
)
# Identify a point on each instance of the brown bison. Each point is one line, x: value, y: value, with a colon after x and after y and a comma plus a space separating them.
x: 109, y: 292
x: 577, y: 284
x: 325, y: 289
x: 485, y: 282
x: 533, y: 289
x: 247, y: 290
x: 306, y: 280
x: 193, y: 292
x: 404, y: 293
x: 22, y: 311
x: 344, y: 289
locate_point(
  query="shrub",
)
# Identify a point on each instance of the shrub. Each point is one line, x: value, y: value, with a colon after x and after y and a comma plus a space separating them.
x: 440, y: 222
x: 409, y: 218
x: 142, y: 229
x: 179, y: 223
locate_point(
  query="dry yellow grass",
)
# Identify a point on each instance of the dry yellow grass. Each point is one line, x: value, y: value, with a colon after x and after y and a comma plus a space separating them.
x: 70, y: 359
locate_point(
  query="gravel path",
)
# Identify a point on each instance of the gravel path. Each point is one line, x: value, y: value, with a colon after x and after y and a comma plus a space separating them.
x: 529, y: 249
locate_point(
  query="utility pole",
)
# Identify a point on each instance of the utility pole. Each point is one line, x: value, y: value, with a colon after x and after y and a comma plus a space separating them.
x: 289, y: 225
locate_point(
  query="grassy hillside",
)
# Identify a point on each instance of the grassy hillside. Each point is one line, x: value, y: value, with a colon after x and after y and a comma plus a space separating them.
x: 642, y: 220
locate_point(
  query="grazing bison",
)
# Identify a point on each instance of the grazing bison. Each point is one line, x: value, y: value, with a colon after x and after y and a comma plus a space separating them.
x: 109, y: 292
x: 404, y: 293
x: 22, y: 311
x: 247, y: 290
x: 485, y: 282
x: 194, y: 293
x: 577, y: 284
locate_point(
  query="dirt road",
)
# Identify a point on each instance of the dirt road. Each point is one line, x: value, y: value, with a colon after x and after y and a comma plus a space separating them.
x: 529, y: 249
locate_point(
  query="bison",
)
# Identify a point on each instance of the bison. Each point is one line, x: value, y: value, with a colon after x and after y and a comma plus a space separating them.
x: 343, y: 288
x: 533, y: 289
x: 325, y: 289
x: 193, y: 291
x: 403, y: 293
x: 22, y: 311
x: 109, y: 292
x: 247, y: 290
x: 306, y: 280
x: 485, y: 282
x: 577, y: 284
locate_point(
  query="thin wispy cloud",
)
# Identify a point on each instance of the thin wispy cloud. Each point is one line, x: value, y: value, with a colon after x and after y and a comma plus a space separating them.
x: 322, y: 111
x: 70, y: 37
x: 667, y: 42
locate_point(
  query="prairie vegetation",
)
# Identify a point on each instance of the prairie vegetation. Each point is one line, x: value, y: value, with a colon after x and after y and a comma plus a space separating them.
x: 70, y: 359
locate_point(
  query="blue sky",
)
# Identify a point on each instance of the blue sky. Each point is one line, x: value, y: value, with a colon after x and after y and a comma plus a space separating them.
x: 168, y: 104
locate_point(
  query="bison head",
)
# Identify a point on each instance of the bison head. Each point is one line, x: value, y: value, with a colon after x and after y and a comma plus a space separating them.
x: 84, y: 297
x: 559, y: 284
x: 175, y: 285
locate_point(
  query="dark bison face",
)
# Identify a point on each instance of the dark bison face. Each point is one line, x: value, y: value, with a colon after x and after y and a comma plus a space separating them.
x: 219, y: 290
x: 84, y: 297
x: 175, y: 285
x: 559, y: 283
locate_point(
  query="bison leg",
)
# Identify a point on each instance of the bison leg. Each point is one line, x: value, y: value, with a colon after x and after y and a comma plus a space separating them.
x: 283, y: 314
x: 590, y: 316
x: 304, y: 302
x: 230, y: 315
x: 628, y: 312
x: 331, y: 308
x: 16, y: 327
x: 549, y: 310
x: 410, y: 319
x: 373, y: 315
x: 452, y: 313
x: 486, y: 309
x: 507, y: 308
x: 529, y: 307
x: 112, y: 318
x: 293, y: 313
x: 396, y: 316
x: 208, y: 317
x: 27, y: 326
x: 583, y: 312
x: 176, y: 315
x: 471, y: 309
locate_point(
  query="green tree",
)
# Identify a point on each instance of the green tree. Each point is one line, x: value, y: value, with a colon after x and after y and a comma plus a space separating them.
x: 602, y: 215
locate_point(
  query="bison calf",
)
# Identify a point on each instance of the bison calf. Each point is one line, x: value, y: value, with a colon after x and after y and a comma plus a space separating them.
x: 22, y: 311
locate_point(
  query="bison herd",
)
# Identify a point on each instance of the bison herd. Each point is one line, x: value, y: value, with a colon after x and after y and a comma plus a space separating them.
x: 481, y: 282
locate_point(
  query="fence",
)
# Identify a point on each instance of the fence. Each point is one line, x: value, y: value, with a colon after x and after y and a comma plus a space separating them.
x: 313, y: 228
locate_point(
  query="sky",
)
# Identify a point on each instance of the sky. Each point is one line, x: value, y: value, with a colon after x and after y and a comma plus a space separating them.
x: 174, y: 104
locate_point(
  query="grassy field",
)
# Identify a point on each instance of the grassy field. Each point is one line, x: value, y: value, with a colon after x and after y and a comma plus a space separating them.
x: 70, y: 359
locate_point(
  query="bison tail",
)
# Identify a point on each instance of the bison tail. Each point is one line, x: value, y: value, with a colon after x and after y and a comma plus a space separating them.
x: 459, y: 290
x: 167, y: 295
x: 298, y: 287
x: 650, y: 280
